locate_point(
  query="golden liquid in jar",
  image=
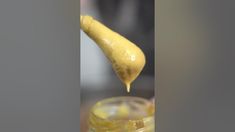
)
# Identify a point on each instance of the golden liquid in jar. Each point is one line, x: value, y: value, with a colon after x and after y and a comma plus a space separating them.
x: 122, y: 114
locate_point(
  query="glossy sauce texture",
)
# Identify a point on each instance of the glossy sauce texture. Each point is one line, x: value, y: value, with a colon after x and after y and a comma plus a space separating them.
x: 126, y: 58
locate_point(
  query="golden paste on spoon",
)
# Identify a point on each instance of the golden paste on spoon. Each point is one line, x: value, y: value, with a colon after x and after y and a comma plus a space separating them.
x: 127, y: 59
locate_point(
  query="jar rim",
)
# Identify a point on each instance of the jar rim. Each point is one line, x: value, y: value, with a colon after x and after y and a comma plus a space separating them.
x: 121, y: 98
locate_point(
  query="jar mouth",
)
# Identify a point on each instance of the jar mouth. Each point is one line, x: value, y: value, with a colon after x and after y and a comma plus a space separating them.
x: 122, y: 114
x: 123, y: 108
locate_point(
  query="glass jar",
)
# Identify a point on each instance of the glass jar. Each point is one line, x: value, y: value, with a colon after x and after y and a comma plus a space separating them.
x: 122, y: 114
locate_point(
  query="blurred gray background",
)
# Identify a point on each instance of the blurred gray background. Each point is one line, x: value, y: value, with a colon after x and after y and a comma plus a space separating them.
x: 39, y: 64
x: 195, y: 63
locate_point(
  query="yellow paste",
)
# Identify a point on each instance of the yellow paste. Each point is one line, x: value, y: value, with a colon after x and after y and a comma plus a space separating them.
x: 127, y: 59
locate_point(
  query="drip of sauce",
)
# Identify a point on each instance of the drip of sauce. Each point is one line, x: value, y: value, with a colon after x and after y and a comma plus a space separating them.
x: 126, y: 58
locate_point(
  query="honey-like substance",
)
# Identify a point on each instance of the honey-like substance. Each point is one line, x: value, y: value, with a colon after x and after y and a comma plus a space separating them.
x: 126, y: 58
x: 122, y: 114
